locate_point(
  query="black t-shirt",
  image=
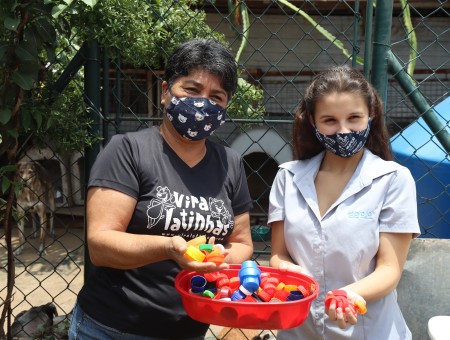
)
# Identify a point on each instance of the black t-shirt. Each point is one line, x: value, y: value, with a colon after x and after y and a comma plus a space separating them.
x: 172, y: 199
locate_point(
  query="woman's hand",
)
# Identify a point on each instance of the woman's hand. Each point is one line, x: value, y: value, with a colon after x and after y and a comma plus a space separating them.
x: 287, y: 266
x: 176, y: 247
x: 343, y: 309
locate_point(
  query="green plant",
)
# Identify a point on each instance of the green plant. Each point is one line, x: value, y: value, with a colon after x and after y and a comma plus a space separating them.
x: 146, y: 33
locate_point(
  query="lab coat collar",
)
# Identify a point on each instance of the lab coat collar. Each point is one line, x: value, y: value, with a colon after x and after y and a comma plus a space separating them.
x: 369, y: 168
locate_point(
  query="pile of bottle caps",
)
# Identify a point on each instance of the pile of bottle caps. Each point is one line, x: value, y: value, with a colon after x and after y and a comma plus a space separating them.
x: 250, y: 285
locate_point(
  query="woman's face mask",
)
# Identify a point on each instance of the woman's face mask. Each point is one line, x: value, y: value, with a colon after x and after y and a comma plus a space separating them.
x: 195, y: 118
x: 344, y: 144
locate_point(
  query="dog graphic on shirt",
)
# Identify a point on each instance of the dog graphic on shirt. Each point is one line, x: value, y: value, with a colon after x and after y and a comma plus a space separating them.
x: 157, y: 206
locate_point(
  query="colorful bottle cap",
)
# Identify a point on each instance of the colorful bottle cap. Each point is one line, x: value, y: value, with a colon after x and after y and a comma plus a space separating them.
x: 249, y: 298
x: 245, y: 291
x: 360, y: 307
x: 303, y: 290
x: 208, y: 293
x: 222, y: 281
x: 237, y: 295
x: 250, y: 275
x: 219, y: 247
x: 281, y: 286
x: 198, y: 283
x: 294, y: 295
x: 206, y: 246
x: 197, y: 241
x: 264, y: 296
x: 215, y: 257
x: 281, y: 295
x: 275, y: 281
x: 212, y: 277
x: 269, y: 288
x: 194, y: 254
x: 225, y: 292
x: 234, y: 282
x: 289, y: 288
x: 340, y: 298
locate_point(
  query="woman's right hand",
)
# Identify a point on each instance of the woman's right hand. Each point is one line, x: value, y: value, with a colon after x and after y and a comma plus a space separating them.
x: 176, y: 247
x: 287, y: 266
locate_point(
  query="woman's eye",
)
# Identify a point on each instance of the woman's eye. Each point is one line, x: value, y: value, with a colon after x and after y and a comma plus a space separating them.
x: 355, y: 117
x: 191, y: 90
x: 217, y: 99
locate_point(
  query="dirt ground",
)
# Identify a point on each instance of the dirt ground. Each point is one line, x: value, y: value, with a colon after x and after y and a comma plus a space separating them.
x: 54, y: 277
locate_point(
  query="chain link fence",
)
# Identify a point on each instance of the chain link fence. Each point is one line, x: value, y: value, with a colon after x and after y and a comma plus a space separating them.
x: 281, y: 46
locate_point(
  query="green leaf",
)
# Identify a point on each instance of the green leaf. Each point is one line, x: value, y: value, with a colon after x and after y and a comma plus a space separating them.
x: 24, y: 80
x: 30, y: 67
x: 5, y: 115
x: 50, y: 53
x: 91, y: 3
x: 26, y: 51
x: 11, y: 23
x: 6, y: 183
x: 13, y: 133
x: 27, y: 122
x: 45, y: 30
x: 32, y: 37
x: 38, y: 118
x: 68, y: 2
x: 57, y: 10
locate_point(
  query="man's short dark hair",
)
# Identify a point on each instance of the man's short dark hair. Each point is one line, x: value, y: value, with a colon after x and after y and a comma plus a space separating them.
x: 206, y: 54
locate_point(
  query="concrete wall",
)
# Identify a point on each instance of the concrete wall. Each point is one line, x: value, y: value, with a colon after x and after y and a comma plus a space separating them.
x: 424, y: 290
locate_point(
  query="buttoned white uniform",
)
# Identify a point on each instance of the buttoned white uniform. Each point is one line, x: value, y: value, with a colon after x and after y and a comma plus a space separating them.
x: 341, y: 246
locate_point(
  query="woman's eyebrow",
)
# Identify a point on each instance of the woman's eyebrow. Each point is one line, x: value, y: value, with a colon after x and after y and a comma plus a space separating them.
x: 201, y: 86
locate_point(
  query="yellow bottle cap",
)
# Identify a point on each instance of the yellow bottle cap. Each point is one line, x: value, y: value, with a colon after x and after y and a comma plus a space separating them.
x: 360, y: 307
x: 288, y: 288
x: 197, y: 241
x: 193, y: 253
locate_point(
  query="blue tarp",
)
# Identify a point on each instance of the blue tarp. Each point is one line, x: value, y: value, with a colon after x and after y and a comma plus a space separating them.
x: 419, y: 150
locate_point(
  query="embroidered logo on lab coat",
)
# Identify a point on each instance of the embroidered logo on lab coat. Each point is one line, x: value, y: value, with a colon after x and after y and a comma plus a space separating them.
x: 365, y: 214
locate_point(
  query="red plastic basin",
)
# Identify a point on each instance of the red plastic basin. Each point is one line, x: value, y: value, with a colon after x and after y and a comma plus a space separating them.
x: 248, y: 315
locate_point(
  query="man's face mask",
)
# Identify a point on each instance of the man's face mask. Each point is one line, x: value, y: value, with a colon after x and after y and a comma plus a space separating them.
x: 195, y: 118
x: 344, y: 144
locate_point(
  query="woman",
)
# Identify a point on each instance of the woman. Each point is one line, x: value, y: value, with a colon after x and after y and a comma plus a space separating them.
x: 343, y: 212
x: 151, y: 191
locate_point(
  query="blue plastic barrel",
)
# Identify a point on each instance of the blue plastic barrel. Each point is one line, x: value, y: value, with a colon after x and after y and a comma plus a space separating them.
x: 420, y: 151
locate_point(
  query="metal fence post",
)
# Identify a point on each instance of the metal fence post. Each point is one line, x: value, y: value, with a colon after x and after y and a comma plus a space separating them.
x: 92, y: 92
x: 419, y: 101
x: 381, y: 47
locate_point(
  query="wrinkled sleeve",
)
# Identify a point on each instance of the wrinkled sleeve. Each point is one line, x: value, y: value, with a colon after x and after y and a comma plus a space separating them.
x: 116, y: 167
x: 399, y: 211
x: 276, y: 198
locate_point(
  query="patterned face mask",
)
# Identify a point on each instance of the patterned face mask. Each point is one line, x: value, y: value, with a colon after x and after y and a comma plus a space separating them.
x: 195, y: 118
x: 344, y: 144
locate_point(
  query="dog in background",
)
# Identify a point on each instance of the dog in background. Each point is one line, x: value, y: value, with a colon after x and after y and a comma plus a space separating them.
x: 35, y: 197
x: 33, y: 323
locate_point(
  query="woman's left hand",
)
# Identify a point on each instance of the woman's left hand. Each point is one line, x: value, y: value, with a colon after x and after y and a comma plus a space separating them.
x: 348, y: 315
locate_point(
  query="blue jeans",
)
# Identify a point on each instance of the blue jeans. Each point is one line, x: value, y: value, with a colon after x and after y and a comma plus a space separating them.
x: 83, y: 327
